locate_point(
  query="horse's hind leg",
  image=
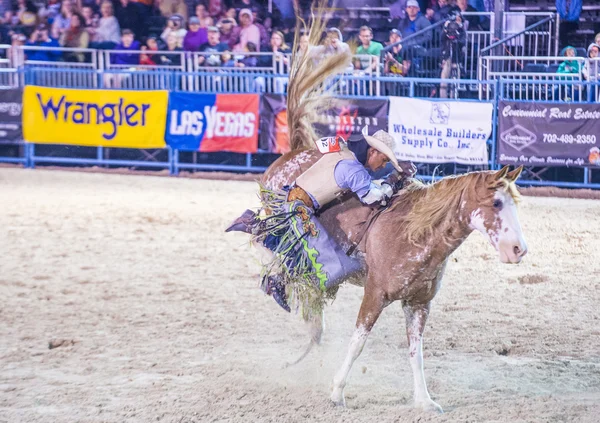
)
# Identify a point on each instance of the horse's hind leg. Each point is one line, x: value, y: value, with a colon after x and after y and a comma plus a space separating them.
x: 370, y: 309
x: 416, y: 317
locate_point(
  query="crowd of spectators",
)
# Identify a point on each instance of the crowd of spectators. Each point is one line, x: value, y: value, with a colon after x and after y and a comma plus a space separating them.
x: 230, y: 33
x: 223, y: 29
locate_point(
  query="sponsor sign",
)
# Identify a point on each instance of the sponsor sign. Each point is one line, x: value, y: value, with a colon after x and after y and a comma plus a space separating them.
x: 109, y: 118
x: 11, y: 106
x: 273, y: 124
x: 548, y: 134
x: 440, y: 132
x: 213, y: 122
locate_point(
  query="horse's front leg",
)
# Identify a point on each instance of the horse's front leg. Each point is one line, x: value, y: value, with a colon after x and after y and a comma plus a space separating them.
x: 372, y: 304
x: 416, y: 317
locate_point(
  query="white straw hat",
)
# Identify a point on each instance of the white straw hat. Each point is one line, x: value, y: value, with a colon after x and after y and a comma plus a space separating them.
x: 384, y: 143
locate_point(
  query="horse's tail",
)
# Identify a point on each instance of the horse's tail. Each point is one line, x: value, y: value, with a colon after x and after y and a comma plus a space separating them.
x: 307, y: 97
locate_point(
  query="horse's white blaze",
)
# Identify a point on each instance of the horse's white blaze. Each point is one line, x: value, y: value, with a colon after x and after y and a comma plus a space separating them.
x: 355, y: 348
x: 511, y: 243
x: 504, y: 232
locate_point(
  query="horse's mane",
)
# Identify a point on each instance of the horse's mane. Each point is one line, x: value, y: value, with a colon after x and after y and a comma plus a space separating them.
x: 430, y: 205
x: 307, y: 98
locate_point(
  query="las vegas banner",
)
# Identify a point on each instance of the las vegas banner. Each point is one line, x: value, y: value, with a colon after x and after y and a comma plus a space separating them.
x: 440, y: 132
x: 213, y: 122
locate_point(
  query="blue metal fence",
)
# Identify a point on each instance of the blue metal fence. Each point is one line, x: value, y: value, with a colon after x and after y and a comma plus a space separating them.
x: 349, y: 86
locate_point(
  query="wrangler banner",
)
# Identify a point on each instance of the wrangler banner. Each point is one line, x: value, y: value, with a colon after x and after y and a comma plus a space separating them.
x: 213, y: 122
x: 10, y: 116
x: 439, y: 131
x: 109, y: 118
x: 549, y: 134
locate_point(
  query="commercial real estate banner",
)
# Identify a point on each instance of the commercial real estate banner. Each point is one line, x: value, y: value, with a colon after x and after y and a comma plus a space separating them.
x: 548, y: 134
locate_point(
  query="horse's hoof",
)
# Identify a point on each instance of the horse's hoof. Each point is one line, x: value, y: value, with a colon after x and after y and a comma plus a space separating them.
x: 429, y: 405
x: 337, y: 398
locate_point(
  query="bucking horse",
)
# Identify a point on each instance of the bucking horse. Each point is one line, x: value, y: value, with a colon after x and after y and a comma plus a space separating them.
x: 405, y: 251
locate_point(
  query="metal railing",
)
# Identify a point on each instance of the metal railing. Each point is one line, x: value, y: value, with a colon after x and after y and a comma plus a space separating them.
x: 539, y: 40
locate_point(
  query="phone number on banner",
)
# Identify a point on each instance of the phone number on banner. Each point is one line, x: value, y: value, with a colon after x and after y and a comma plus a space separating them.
x: 569, y: 139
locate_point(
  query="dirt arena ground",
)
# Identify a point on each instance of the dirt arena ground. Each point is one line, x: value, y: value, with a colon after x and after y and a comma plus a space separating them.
x: 160, y: 317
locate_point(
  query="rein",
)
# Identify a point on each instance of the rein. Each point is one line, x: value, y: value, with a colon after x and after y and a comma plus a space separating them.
x: 372, y: 217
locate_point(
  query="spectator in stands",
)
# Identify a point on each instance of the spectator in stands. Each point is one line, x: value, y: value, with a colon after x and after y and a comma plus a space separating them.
x: 173, y: 59
x: 227, y: 59
x: 262, y: 30
x: 175, y: 25
x: 447, y: 8
x: 62, y: 21
x: 239, y: 5
x: 212, y: 49
x: 592, y: 67
x: 569, y: 66
x: 75, y: 37
x: 129, y: 17
x: 251, y: 60
x: 227, y: 34
x: 473, y: 21
x: 333, y: 44
x: 279, y: 49
x: 173, y: 7
x: 216, y: 9
x: 26, y: 11
x: 395, y: 62
x: 196, y: 35
x: 150, y: 59
x: 249, y: 32
x: 17, y: 39
x: 202, y: 14
x: 368, y: 47
x: 231, y: 15
x: 88, y: 15
x: 414, y: 22
x: 106, y: 35
x: 128, y: 43
x: 41, y: 38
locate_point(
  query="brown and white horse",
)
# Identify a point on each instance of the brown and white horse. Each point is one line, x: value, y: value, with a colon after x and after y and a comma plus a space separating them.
x: 405, y: 251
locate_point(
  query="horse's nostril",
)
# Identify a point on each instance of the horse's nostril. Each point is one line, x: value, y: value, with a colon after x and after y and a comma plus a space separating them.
x: 517, y: 250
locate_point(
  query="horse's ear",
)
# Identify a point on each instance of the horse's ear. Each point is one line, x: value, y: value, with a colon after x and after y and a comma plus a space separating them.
x: 514, y: 175
x: 501, y: 173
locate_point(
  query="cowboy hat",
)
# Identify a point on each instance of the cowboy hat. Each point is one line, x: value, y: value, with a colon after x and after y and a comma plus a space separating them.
x: 384, y: 143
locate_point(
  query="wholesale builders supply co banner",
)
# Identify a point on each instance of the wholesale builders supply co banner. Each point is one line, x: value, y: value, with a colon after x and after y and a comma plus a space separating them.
x: 549, y: 134
x: 440, y: 132
x: 109, y: 118
x: 213, y: 122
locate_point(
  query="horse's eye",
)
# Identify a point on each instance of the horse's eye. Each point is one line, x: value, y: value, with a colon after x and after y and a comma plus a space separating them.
x: 497, y: 204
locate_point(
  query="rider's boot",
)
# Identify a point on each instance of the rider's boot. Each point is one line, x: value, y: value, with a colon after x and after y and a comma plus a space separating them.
x: 244, y: 223
x: 276, y: 289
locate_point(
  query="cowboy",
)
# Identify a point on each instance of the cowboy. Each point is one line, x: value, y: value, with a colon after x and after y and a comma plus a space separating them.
x: 332, y: 176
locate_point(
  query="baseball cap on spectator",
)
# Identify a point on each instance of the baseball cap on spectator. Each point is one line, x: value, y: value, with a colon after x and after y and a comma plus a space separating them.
x: 194, y: 20
x: 413, y: 3
x: 127, y: 32
x: 396, y: 31
x: 176, y: 17
x: 212, y: 29
x: 246, y: 12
